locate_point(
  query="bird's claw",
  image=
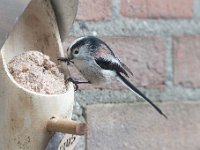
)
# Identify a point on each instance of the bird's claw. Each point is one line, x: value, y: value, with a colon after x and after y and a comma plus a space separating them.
x: 74, y: 82
x: 77, y: 82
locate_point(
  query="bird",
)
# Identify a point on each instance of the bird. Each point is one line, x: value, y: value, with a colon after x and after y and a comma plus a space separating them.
x: 98, y: 64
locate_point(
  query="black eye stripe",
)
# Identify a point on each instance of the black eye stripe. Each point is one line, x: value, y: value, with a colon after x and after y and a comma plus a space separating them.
x: 78, y: 44
x: 90, y: 40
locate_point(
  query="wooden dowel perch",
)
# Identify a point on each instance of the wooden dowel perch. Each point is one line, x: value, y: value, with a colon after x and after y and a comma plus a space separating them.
x: 57, y: 124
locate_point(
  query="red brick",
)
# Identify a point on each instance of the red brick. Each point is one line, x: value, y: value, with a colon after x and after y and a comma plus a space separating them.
x: 187, y: 60
x: 140, y: 127
x: 157, y: 8
x: 94, y: 10
x: 145, y: 56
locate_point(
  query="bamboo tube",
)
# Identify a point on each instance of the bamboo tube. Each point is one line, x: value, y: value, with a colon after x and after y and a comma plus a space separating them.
x: 23, y: 113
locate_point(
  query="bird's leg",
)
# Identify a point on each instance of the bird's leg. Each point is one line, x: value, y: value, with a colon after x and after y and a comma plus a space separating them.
x: 77, y: 82
x: 65, y: 59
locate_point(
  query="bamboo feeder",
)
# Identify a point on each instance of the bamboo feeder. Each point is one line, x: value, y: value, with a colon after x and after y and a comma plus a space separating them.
x: 24, y: 114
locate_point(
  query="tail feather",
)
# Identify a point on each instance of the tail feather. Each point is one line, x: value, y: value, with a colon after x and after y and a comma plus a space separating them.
x: 138, y: 92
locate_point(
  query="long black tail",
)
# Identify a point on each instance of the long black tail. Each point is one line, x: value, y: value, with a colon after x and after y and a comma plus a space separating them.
x: 135, y: 90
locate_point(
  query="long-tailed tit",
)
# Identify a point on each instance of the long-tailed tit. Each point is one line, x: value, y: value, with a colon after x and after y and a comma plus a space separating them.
x: 98, y: 64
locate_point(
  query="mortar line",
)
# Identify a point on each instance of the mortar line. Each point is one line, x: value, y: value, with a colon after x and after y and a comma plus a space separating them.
x: 169, y: 61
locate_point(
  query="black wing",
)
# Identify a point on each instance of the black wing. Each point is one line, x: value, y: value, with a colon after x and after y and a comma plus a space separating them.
x: 109, y: 65
x: 126, y: 68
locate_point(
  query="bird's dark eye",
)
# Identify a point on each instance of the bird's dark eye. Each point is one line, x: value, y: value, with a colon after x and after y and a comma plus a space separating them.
x: 76, y: 52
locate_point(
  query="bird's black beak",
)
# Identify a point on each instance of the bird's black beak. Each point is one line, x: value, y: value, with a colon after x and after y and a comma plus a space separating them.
x: 67, y: 59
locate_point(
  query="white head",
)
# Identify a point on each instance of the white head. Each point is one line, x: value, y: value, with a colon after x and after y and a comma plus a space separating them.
x: 84, y: 47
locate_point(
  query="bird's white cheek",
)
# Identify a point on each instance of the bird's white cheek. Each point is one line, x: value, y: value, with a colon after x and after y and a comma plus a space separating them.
x: 79, y: 64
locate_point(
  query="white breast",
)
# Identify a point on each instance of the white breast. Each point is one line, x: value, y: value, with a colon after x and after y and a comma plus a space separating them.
x: 93, y: 73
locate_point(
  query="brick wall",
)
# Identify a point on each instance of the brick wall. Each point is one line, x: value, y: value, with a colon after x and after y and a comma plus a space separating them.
x: 159, y: 40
